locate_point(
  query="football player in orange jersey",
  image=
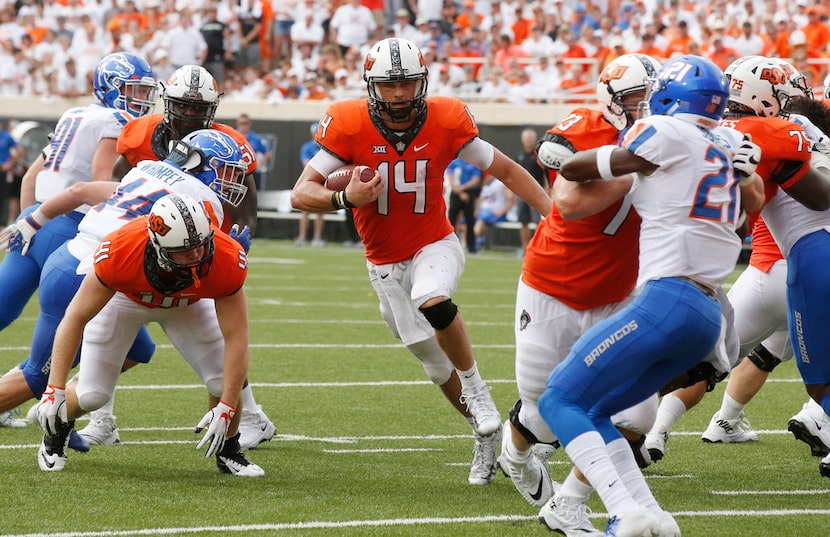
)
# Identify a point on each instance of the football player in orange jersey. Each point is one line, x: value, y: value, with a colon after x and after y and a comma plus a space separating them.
x: 574, y: 274
x: 157, y: 268
x: 415, y: 260
x: 191, y: 97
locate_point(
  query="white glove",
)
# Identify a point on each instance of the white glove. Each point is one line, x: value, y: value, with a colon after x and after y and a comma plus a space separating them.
x: 551, y: 155
x: 18, y: 236
x: 52, y: 407
x: 822, y: 146
x: 217, y: 421
x: 747, y: 157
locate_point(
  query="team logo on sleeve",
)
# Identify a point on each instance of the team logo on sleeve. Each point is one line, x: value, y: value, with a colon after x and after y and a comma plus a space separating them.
x: 157, y: 225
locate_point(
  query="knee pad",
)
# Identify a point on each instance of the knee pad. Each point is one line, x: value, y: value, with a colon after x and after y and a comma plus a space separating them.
x: 514, y: 420
x: 90, y: 401
x: 440, y: 315
x: 531, y: 425
x: 433, y: 359
x: 214, y: 387
x: 763, y: 359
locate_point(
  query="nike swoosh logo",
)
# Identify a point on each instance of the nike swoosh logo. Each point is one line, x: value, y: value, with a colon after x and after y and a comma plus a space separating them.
x: 384, y: 276
x: 46, y: 461
x: 538, y: 495
x: 418, y: 148
x: 818, y: 426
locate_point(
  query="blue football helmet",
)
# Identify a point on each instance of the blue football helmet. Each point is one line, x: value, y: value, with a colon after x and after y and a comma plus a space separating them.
x: 691, y: 88
x: 125, y: 81
x: 215, y: 159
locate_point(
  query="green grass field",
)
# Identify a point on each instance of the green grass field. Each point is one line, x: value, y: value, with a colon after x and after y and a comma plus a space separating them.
x: 365, y: 444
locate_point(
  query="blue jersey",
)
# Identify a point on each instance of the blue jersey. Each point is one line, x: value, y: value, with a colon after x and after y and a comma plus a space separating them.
x: 308, y: 150
x: 462, y: 172
x: 7, y: 143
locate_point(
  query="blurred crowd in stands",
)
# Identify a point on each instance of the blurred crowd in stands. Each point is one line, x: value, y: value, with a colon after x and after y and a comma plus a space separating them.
x: 516, y: 51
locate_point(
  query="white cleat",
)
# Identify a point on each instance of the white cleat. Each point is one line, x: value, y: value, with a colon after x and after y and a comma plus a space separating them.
x: 812, y: 426
x: 255, y: 428
x: 567, y: 516
x: 101, y: 429
x: 668, y: 525
x: 729, y: 431
x: 7, y: 419
x: 483, y: 468
x: 238, y: 464
x: 640, y: 523
x: 655, y: 444
x: 483, y: 409
x: 530, y: 477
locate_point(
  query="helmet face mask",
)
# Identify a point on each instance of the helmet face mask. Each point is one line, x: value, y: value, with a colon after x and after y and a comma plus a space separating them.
x: 621, y: 79
x: 391, y: 61
x: 690, y: 88
x: 799, y: 87
x: 125, y: 81
x: 220, y: 165
x: 177, y: 224
x: 191, y: 97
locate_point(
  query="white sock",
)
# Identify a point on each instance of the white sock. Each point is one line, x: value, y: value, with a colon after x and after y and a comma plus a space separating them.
x: 588, y: 452
x: 730, y: 409
x: 619, y: 451
x: 104, y: 411
x: 248, y: 400
x: 671, y: 409
x: 573, y: 487
x: 471, y: 377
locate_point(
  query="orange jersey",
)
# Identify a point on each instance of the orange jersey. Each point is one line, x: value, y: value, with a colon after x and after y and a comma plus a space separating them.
x: 783, y: 144
x: 120, y: 260
x: 592, y: 261
x: 410, y: 211
x: 765, y: 253
x: 146, y: 138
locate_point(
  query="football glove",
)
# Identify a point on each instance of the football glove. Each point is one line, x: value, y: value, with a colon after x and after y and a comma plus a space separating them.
x: 51, y: 411
x: 18, y: 236
x: 217, y: 421
x: 747, y: 157
x: 242, y: 237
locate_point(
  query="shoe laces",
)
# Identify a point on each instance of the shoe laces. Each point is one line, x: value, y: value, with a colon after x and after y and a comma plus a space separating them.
x: 484, y: 450
x: 477, y: 400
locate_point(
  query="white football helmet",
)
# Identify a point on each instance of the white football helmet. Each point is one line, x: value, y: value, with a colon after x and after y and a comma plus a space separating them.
x: 178, y: 223
x: 191, y: 96
x: 394, y: 60
x: 734, y: 65
x: 827, y: 87
x: 759, y: 86
x: 630, y: 73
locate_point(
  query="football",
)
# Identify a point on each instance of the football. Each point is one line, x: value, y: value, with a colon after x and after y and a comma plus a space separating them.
x: 339, y: 178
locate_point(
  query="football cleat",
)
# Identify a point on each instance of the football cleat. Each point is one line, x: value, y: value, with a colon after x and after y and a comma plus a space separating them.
x: 530, y: 477
x: 101, y: 430
x: 51, y: 455
x: 640, y: 523
x: 238, y: 464
x: 824, y: 467
x: 483, y: 468
x: 655, y: 444
x: 77, y: 442
x: 254, y: 428
x: 668, y: 525
x: 567, y: 516
x: 483, y: 409
x: 7, y: 419
x: 640, y: 451
x: 812, y: 426
x: 729, y: 431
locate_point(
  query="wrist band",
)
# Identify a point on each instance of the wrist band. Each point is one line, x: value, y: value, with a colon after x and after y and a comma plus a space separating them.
x: 37, y: 219
x: 604, y: 162
x: 339, y: 201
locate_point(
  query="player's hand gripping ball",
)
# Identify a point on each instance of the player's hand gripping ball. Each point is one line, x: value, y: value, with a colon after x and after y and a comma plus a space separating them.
x: 339, y: 178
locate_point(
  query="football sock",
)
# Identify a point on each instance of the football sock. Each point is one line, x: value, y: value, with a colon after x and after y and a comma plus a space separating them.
x: 573, y: 487
x: 248, y: 400
x: 620, y: 454
x: 730, y: 409
x: 470, y: 377
x: 670, y: 410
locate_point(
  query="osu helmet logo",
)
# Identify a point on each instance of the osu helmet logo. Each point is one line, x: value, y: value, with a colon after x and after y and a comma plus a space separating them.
x: 614, y: 73
x: 773, y: 75
x: 370, y: 61
x: 157, y: 225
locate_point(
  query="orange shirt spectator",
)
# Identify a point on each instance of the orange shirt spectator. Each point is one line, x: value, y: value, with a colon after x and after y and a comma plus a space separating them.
x: 680, y: 43
x: 649, y: 49
x: 468, y: 18
x: 816, y: 31
x: 721, y: 54
x: 465, y: 50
